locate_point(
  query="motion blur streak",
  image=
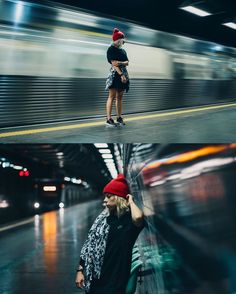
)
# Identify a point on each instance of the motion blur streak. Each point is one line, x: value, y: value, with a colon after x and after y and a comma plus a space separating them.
x: 192, y: 155
x: 189, y: 242
x: 53, y: 66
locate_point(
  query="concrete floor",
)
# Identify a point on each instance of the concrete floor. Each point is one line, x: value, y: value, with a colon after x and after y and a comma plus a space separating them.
x: 41, y: 257
x: 209, y: 126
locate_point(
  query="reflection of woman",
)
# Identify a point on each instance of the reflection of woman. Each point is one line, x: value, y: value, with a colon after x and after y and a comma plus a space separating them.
x: 118, y: 79
x: 105, y: 259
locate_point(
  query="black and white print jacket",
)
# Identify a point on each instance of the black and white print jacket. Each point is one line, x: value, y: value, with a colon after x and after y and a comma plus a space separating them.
x: 111, y: 75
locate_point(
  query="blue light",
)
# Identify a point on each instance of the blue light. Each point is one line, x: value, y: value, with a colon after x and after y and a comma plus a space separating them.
x: 19, y: 11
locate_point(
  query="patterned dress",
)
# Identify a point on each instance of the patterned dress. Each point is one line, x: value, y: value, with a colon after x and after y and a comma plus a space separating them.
x: 114, y: 80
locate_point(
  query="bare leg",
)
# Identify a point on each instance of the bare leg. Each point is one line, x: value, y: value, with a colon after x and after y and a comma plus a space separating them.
x: 112, y: 95
x: 119, y: 95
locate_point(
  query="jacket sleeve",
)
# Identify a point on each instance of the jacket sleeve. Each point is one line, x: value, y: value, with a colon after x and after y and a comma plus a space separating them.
x: 111, y: 55
x: 81, y: 263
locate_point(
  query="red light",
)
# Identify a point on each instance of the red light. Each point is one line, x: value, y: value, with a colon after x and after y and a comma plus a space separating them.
x: 27, y: 173
x: 24, y: 173
x: 21, y: 173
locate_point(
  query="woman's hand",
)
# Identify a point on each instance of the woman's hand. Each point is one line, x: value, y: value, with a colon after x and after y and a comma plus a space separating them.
x: 123, y: 79
x: 115, y: 63
x: 136, y: 213
x: 130, y: 199
x: 79, y: 280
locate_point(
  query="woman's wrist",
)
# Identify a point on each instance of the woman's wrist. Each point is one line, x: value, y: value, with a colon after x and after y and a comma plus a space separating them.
x: 80, y: 269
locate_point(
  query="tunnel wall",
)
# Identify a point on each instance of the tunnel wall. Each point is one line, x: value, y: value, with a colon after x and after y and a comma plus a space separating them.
x: 189, y: 239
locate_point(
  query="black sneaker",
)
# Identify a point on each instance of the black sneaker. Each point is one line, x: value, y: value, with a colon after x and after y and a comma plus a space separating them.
x: 110, y: 123
x: 120, y: 121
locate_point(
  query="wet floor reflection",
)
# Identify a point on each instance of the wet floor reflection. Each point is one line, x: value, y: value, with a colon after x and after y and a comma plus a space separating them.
x: 50, y: 241
x: 41, y: 257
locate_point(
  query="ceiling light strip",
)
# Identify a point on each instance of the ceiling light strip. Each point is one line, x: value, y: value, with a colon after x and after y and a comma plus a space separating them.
x: 196, y: 11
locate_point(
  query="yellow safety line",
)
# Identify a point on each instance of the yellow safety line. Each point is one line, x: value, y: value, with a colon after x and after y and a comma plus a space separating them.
x: 178, y: 112
x: 99, y: 123
x: 52, y: 129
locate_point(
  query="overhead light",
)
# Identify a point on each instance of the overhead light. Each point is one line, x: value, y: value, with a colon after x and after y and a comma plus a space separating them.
x: 104, y: 151
x: 18, y: 11
x: 111, y: 167
x: 67, y: 179
x: 195, y: 10
x: 101, y: 145
x: 107, y: 156
x: 76, y: 181
x: 113, y: 172
x: 60, y: 153
x: 6, y: 164
x: 17, y: 167
x: 110, y: 164
x: 109, y: 160
x: 231, y: 25
x: 114, y: 175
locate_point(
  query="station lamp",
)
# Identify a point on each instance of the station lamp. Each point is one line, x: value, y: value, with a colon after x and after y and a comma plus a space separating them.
x: 231, y: 25
x: 195, y: 11
x: 198, y: 8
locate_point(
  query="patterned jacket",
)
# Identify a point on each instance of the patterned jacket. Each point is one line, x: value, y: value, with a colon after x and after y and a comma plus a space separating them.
x: 111, y: 75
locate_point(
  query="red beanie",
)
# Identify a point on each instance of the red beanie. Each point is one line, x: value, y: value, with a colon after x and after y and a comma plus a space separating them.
x: 117, y: 35
x: 117, y: 187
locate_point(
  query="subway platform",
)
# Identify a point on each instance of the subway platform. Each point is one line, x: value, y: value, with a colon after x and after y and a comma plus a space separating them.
x: 186, y: 192
x: 40, y: 255
x: 213, y: 123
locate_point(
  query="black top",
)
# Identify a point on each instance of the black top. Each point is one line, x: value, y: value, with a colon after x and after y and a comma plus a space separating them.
x: 118, y: 255
x: 114, y: 53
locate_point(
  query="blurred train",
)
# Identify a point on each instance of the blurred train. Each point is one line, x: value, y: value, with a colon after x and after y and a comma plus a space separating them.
x: 51, y: 194
x: 53, y: 65
x: 23, y: 195
x: 188, y: 195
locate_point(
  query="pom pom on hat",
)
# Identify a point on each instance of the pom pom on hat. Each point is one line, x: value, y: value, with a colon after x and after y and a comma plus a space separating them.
x: 117, y: 186
x: 117, y: 35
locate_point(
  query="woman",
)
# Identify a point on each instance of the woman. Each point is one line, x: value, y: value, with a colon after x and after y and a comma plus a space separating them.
x: 105, y: 260
x: 118, y: 79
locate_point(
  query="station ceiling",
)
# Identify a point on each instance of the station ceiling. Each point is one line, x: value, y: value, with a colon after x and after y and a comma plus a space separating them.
x: 166, y: 15
x: 73, y: 160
